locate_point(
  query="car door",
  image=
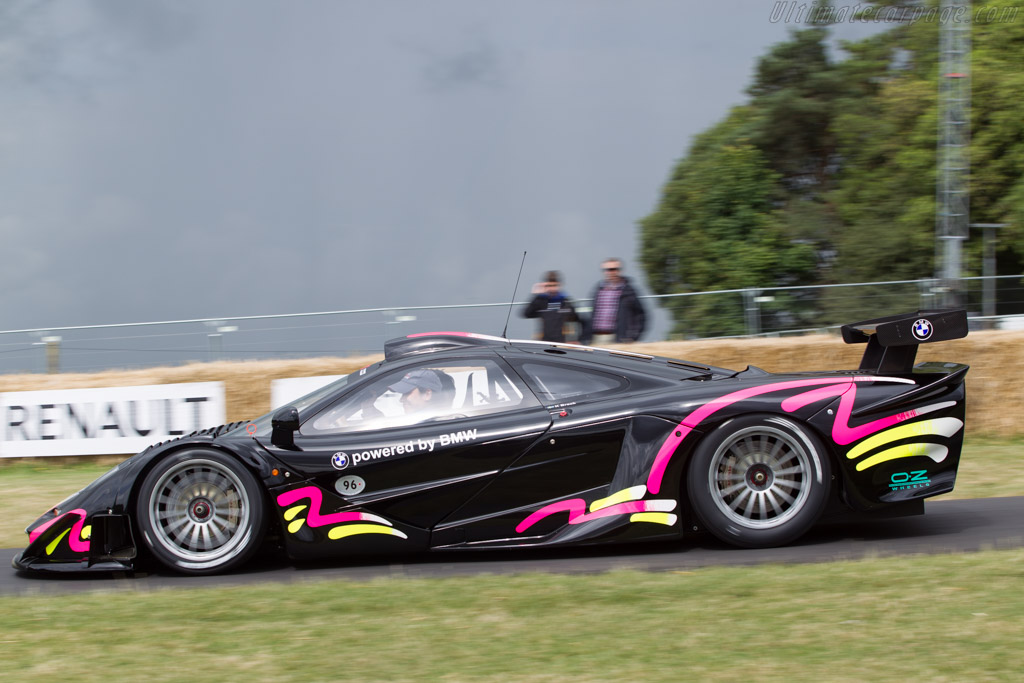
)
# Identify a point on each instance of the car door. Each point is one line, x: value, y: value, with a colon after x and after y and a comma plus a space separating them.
x: 416, y: 466
x: 579, y: 455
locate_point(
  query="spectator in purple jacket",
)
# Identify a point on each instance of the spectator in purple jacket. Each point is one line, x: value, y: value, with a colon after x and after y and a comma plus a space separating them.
x: 618, y: 316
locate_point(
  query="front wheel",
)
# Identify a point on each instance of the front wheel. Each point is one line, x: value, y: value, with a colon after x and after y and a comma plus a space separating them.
x: 759, y: 481
x: 200, y: 511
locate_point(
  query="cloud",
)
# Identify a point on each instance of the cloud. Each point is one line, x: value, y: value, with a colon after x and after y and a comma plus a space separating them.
x: 78, y: 45
x: 478, y: 64
x: 26, y: 55
x: 21, y: 261
x: 152, y: 25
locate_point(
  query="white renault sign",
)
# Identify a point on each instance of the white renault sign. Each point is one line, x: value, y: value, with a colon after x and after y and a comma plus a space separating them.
x: 108, y: 421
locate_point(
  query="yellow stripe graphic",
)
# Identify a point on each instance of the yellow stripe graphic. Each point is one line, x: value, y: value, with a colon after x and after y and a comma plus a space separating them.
x: 623, y: 496
x: 942, y: 426
x: 291, y: 512
x: 654, y: 518
x: 934, y: 451
x: 53, y: 544
x: 296, y: 525
x: 354, y: 529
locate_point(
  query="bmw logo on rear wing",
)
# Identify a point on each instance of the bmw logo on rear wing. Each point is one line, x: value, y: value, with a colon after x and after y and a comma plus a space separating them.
x: 892, y: 341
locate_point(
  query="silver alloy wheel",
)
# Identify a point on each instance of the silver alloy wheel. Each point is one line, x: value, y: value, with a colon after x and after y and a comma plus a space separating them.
x: 760, y: 477
x: 200, y: 511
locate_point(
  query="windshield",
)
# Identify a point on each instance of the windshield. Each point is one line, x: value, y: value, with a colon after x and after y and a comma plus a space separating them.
x: 263, y: 426
x: 313, y: 397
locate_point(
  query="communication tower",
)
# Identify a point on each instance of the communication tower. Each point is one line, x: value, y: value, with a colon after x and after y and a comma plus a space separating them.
x: 953, y: 199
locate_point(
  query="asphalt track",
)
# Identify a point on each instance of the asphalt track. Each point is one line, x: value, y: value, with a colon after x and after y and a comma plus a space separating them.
x: 952, y: 526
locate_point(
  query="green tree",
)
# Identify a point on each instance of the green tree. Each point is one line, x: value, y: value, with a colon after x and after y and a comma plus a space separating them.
x: 795, y: 93
x: 717, y: 227
x: 997, y: 131
x: 832, y: 163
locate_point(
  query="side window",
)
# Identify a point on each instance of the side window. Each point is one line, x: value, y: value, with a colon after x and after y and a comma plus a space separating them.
x: 554, y: 383
x: 425, y: 393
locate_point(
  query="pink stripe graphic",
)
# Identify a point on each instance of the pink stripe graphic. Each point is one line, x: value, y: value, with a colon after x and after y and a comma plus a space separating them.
x: 843, y: 433
x: 577, y: 509
x: 35, y: 533
x: 575, y: 506
x: 808, y: 397
x: 74, y: 538
x: 316, y: 499
x: 434, y: 334
x: 668, y: 448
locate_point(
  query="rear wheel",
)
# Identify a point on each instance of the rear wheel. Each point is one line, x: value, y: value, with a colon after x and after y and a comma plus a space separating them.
x: 200, y: 511
x: 759, y: 481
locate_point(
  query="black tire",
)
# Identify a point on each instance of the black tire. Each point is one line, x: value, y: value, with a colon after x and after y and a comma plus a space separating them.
x: 201, y: 511
x: 759, y: 481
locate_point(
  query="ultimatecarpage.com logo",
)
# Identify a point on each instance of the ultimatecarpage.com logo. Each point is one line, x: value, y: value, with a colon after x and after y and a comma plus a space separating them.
x: 796, y: 12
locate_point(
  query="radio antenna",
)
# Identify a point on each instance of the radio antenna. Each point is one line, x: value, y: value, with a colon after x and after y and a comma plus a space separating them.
x: 504, y: 333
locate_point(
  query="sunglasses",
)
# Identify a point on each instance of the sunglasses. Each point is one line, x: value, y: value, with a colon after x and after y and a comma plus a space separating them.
x: 613, y: 268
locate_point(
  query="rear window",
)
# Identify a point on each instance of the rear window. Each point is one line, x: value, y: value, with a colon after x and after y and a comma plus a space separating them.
x: 553, y: 383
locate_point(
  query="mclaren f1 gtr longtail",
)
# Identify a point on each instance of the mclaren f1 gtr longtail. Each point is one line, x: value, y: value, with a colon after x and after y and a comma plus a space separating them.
x: 458, y: 441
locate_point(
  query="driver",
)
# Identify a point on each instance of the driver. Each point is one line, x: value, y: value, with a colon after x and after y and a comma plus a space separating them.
x: 421, y: 392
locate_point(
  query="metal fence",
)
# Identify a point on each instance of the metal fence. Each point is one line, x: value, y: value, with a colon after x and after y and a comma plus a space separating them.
x: 995, y: 301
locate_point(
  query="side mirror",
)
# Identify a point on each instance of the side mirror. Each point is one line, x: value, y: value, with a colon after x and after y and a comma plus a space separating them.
x: 285, y: 422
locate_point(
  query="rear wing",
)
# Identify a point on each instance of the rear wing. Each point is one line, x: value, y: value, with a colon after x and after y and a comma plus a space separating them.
x: 893, y: 341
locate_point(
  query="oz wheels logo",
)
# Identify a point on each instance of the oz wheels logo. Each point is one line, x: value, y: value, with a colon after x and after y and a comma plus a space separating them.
x: 339, y: 460
x: 916, y: 479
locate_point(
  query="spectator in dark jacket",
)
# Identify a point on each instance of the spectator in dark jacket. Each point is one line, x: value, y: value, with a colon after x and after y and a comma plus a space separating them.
x: 618, y: 316
x: 553, y: 307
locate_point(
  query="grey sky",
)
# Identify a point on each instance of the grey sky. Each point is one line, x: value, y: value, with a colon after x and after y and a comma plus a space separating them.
x: 187, y: 159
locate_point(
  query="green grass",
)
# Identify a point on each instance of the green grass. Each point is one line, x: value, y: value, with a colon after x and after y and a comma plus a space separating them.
x: 937, y: 618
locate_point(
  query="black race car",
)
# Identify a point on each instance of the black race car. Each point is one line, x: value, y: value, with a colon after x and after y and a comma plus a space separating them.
x: 461, y: 441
